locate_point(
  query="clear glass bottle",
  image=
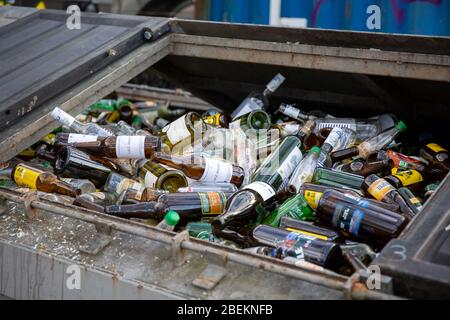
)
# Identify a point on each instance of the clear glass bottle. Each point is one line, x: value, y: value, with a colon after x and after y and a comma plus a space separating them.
x: 74, y: 125
x: 170, y: 221
x: 305, y: 170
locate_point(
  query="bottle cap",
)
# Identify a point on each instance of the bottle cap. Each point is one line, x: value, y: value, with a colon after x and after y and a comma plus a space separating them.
x: 315, y: 150
x: 172, y: 218
x: 401, y: 126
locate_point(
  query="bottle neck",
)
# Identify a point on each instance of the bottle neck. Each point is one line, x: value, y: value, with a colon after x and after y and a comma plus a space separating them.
x: 145, y: 210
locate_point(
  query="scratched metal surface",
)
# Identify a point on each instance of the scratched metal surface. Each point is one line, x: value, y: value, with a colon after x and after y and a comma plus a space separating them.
x: 35, y: 254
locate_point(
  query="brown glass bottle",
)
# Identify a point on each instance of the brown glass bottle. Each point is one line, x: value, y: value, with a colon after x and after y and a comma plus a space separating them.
x: 126, y: 147
x: 203, y: 169
x: 438, y: 159
x: 370, y: 224
x: 363, y: 168
x: 33, y: 178
x: 313, y: 192
x: 382, y: 190
x: 412, y: 179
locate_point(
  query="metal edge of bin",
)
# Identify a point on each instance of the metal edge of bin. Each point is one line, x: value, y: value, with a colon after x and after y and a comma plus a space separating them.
x: 34, y: 126
x: 324, y: 278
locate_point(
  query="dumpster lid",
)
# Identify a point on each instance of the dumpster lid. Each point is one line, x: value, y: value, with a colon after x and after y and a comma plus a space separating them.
x: 41, y: 54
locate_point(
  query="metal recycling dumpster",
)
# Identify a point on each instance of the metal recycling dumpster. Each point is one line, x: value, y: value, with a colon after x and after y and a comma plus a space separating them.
x: 43, y: 243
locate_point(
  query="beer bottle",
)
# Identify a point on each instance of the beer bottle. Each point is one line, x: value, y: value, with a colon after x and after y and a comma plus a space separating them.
x: 371, y: 145
x: 412, y: 179
x: 305, y: 170
x: 257, y: 100
x: 73, y: 163
x: 400, y: 161
x: 156, y: 176
x: 323, y: 253
x: 337, y: 139
x: 26, y: 176
x: 313, y: 192
x: 363, y: 168
x: 78, y: 127
x: 382, y: 190
x: 169, y: 222
x: 296, y: 207
x: 190, y: 207
x: 247, y: 204
x: 185, y: 129
x: 203, y: 168
x: 413, y: 202
x: 309, y: 229
x: 361, y: 222
x: 337, y: 179
x: 438, y: 159
x: 125, y: 147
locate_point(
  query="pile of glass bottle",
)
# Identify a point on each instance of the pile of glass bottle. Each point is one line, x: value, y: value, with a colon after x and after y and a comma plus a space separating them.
x: 308, y: 188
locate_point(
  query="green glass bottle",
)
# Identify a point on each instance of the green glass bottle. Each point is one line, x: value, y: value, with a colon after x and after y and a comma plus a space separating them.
x: 296, y: 207
x: 337, y: 179
x: 247, y: 204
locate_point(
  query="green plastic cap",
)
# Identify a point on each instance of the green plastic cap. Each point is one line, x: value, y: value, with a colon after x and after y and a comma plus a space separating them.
x: 315, y: 150
x: 172, y: 218
x: 401, y: 126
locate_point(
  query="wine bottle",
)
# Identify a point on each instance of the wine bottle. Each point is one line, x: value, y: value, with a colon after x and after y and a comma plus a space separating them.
x: 84, y: 185
x: 156, y: 176
x: 75, y: 125
x: 126, y: 147
x: 198, y: 186
x: 247, y: 204
x: 188, y: 128
x: 73, y: 163
x: 26, y: 176
x: 256, y: 120
x: 203, y: 168
x: 257, y: 100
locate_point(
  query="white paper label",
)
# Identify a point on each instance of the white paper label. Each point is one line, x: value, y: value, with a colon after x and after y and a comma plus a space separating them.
x: 62, y: 117
x: 350, y: 125
x: 177, y: 130
x: 292, y: 128
x: 150, y: 180
x: 74, y: 138
x: 334, y: 137
x: 130, y: 147
x: 290, y: 163
x: 217, y: 171
x: 291, y: 112
x: 265, y: 190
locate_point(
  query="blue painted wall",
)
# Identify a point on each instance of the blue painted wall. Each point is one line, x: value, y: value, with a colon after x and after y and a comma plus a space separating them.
x: 427, y: 17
